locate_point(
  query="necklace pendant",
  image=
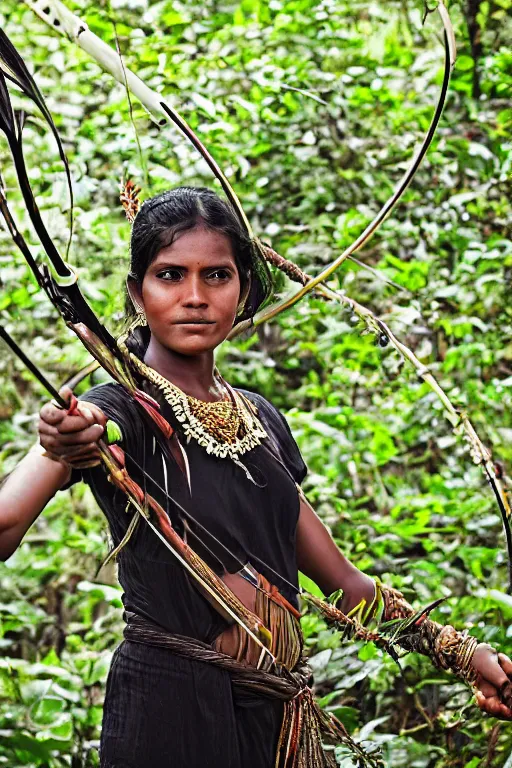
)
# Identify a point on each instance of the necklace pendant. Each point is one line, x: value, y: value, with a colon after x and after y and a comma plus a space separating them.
x: 226, y: 428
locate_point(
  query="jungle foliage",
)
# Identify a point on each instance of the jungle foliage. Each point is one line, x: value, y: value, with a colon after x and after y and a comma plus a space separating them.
x: 313, y: 109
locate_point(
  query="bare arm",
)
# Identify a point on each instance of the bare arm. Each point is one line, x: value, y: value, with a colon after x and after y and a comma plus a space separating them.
x: 24, y: 495
x: 37, y: 478
x: 319, y: 558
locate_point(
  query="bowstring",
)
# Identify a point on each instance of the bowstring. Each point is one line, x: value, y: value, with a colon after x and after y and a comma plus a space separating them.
x: 190, y: 516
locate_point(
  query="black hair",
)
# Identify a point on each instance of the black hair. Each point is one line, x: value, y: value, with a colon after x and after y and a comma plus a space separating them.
x: 161, y: 218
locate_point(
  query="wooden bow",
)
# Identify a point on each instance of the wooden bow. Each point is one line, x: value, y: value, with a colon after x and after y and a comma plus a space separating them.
x: 55, y: 13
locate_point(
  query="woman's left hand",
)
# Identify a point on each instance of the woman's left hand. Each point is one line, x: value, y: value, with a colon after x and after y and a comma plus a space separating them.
x: 494, y: 675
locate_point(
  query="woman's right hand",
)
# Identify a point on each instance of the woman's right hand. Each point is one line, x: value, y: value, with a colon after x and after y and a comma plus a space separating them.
x: 72, y: 439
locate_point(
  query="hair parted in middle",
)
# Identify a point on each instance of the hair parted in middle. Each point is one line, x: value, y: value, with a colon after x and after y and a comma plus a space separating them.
x: 162, y: 218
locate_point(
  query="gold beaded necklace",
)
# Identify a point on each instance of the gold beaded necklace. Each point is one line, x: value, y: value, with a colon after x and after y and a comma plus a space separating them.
x: 220, y: 418
x: 226, y: 428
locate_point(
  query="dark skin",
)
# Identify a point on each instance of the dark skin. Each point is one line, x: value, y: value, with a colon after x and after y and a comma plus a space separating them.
x: 190, y: 295
x: 190, y: 301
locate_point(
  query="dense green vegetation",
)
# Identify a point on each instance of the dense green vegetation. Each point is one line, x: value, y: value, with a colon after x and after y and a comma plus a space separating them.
x: 313, y: 109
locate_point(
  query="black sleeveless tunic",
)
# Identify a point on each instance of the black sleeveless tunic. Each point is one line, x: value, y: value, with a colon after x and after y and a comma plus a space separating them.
x: 161, y: 710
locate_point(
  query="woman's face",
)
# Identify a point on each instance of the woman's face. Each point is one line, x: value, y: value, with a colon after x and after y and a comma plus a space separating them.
x: 190, y: 292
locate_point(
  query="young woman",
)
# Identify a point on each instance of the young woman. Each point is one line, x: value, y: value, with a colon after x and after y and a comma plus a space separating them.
x: 174, y: 695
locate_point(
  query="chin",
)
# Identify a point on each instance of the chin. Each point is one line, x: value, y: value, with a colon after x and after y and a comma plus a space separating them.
x: 193, y: 347
x: 191, y: 351
x: 192, y: 344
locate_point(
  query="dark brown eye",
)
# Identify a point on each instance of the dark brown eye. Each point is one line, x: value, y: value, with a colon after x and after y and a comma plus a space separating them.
x: 219, y: 274
x: 172, y: 275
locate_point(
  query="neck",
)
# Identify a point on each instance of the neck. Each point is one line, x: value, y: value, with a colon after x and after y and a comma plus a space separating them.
x: 192, y: 374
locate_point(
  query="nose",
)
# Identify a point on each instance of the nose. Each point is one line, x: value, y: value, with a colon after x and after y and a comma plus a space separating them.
x: 194, y: 295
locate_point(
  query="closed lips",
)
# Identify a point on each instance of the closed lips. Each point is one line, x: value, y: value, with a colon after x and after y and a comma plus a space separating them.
x: 194, y: 322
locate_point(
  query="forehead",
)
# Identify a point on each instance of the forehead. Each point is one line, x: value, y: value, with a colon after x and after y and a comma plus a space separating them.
x: 197, y: 246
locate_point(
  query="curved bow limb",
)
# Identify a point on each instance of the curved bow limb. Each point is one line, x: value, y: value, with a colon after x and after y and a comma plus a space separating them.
x: 60, y: 18
x: 14, y: 69
x: 60, y: 281
x: 318, y: 282
x: 55, y: 13
x: 458, y: 419
x: 66, y: 23
x: 76, y: 312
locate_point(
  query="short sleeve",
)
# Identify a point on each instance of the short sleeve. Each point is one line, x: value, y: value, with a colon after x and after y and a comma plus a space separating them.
x: 282, y: 441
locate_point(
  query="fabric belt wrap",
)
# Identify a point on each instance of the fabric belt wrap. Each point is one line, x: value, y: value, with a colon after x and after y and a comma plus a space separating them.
x: 280, y: 684
x: 305, y: 729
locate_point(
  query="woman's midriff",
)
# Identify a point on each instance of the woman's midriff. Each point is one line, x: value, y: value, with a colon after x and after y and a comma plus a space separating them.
x: 279, y: 616
x: 233, y: 641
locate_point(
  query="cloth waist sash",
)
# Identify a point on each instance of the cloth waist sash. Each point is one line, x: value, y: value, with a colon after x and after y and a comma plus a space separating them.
x: 280, y: 684
x: 305, y: 726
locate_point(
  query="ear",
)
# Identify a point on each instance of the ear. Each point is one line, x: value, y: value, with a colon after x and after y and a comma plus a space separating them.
x: 134, y: 292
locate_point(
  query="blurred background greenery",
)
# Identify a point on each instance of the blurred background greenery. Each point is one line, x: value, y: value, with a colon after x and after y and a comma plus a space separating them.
x: 313, y: 109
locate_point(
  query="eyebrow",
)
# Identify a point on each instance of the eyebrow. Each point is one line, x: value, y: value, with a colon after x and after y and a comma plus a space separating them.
x: 176, y: 265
